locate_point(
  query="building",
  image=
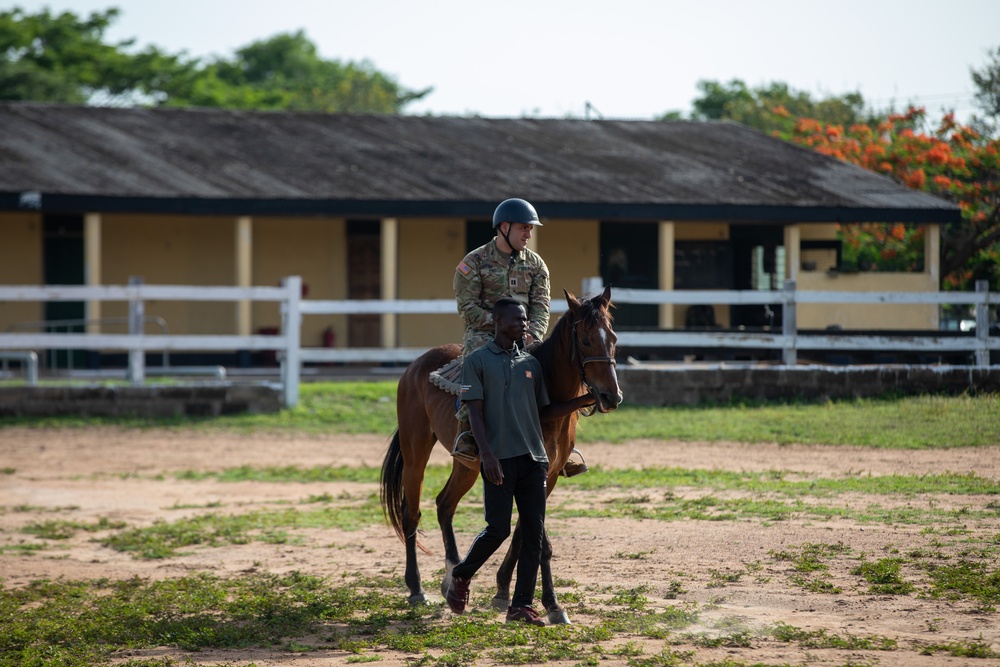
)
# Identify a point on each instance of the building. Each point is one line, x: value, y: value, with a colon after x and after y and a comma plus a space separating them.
x: 370, y: 206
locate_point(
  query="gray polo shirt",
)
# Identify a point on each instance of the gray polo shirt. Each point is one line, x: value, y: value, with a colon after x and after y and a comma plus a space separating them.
x: 512, y: 389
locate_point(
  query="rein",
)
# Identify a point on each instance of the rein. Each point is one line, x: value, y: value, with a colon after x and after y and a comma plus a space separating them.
x: 581, y: 363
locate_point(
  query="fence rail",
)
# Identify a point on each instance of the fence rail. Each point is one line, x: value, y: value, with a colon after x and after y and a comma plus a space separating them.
x: 292, y: 355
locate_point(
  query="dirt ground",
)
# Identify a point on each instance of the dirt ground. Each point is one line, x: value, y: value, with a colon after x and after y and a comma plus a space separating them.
x: 124, y: 475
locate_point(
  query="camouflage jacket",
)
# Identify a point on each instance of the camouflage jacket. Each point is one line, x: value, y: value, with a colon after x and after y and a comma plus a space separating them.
x: 485, y: 275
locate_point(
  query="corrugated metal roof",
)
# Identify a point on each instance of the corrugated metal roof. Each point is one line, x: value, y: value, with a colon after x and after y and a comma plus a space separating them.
x: 275, y: 162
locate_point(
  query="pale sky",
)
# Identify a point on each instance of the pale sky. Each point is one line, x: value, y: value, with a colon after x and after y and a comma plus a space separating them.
x: 631, y: 59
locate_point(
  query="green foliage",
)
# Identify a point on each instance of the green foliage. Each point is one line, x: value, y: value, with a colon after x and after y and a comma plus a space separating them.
x: 818, y: 639
x: 762, y: 107
x: 884, y: 576
x: 48, y: 57
x: 987, y: 82
x: 63, y: 58
x: 287, y: 72
x: 965, y: 578
x: 916, y: 422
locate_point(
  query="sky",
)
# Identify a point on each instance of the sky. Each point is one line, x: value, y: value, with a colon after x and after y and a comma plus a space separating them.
x: 625, y: 59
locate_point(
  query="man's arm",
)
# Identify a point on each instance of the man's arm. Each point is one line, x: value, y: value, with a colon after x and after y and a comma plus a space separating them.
x: 539, y: 302
x: 557, y: 410
x: 468, y: 286
x: 492, y: 470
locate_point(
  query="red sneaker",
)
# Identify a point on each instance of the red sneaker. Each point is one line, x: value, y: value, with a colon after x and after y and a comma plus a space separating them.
x: 524, y: 615
x: 458, y: 594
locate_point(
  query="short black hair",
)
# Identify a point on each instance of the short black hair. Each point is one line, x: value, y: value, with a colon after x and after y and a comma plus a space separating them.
x: 505, y: 302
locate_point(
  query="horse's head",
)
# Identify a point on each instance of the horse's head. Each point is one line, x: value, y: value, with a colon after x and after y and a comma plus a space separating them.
x: 592, y: 347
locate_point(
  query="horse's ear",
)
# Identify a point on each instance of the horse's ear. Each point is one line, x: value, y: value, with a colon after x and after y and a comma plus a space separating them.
x: 572, y: 301
x: 606, y: 295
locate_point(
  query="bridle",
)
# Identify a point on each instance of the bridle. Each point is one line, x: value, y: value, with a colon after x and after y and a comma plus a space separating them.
x: 581, y: 364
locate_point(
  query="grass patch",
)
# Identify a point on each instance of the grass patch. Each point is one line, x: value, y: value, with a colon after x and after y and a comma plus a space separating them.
x: 166, y: 539
x: 77, y: 623
x: 884, y: 577
x: 965, y: 578
x: 63, y: 530
x: 821, y: 639
x: 894, y: 422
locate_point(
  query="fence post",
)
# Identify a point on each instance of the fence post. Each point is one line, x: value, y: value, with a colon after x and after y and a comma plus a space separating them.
x: 983, y: 324
x: 789, y: 326
x: 291, y: 321
x: 136, y: 326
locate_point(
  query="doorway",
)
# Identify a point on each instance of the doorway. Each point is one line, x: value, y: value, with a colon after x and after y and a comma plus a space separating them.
x: 630, y: 258
x: 364, y: 280
x: 62, y: 261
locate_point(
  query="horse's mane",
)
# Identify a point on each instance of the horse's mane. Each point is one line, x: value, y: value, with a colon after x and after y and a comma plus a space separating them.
x: 589, y: 314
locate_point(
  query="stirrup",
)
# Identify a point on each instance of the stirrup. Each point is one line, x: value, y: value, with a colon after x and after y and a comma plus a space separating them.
x: 573, y: 468
x: 465, y: 448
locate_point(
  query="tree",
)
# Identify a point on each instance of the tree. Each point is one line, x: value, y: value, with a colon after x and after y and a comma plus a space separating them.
x: 286, y: 72
x: 63, y: 58
x: 987, y: 82
x: 762, y: 107
x: 949, y: 160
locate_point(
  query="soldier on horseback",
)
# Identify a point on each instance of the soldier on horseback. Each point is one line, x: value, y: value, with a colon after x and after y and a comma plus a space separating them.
x: 503, y: 267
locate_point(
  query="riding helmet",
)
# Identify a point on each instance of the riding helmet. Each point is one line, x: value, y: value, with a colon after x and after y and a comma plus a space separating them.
x: 515, y: 210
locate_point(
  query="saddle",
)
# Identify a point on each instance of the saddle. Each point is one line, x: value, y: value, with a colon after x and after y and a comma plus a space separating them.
x: 448, y: 378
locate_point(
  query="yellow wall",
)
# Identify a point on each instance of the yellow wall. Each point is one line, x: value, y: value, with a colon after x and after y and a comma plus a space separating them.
x: 429, y: 251
x: 867, y: 316
x: 164, y: 250
x: 186, y: 250
x: 314, y: 248
x: 20, y: 264
x: 570, y: 250
x: 709, y: 231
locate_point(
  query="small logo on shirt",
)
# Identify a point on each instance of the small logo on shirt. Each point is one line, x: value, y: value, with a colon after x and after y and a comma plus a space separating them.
x: 513, y: 283
x: 464, y: 388
x: 527, y: 374
x: 464, y: 268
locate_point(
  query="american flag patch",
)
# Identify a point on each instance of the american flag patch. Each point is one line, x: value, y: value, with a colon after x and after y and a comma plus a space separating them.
x: 527, y: 374
x: 464, y: 268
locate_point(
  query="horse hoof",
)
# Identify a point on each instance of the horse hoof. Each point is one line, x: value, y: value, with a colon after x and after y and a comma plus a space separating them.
x: 500, y: 603
x: 417, y: 600
x: 557, y: 617
x: 446, y: 582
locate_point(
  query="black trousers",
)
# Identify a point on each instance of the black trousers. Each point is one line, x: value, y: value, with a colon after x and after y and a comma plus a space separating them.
x: 524, y: 481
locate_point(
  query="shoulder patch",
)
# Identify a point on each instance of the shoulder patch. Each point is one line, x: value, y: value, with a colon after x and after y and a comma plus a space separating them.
x: 463, y: 268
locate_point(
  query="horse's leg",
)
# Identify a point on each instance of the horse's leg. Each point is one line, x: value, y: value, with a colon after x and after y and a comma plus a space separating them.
x: 506, y: 570
x: 413, y: 478
x: 459, y: 482
x: 556, y: 614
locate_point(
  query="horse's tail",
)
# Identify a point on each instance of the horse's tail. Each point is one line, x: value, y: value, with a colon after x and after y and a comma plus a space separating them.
x: 391, y: 491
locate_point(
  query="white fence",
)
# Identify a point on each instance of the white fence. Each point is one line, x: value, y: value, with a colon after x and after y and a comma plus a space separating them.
x: 292, y: 355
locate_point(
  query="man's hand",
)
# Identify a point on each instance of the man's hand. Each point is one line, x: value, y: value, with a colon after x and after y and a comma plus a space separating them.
x: 492, y: 471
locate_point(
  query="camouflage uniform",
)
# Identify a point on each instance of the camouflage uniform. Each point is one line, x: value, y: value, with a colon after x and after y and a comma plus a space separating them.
x: 485, y: 275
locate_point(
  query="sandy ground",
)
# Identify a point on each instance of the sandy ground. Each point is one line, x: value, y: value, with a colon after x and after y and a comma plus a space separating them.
x: 124, y: 475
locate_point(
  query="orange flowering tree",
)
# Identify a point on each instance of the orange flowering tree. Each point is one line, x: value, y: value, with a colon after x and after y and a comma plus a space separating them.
x: 950, y: 160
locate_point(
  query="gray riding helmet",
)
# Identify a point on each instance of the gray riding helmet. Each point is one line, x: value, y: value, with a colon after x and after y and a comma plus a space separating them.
x: 515, y: 210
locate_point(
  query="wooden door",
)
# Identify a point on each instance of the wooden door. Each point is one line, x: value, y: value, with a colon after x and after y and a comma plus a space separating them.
x: 364, y: 280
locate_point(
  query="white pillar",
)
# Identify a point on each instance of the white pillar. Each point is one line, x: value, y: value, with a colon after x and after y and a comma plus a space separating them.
x: 390, y: 269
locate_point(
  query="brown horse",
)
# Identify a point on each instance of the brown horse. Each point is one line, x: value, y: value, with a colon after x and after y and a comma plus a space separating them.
x: 579, y: 356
